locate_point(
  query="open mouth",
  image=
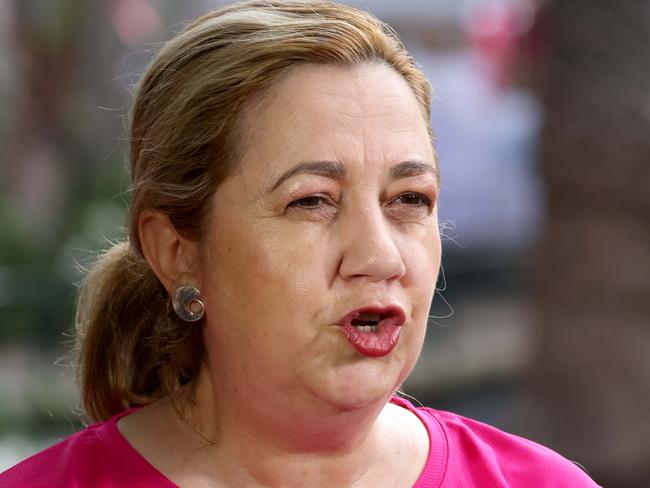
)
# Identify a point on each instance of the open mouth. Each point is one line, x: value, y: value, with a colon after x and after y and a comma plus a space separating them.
x: 367, y: 322
x: 374, y: 330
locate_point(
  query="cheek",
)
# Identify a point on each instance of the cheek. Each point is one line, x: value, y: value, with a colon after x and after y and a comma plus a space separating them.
x: 423, y: 265
x: 260, y: 273
x: 422, y: 252
x: 265, y: 293
x: 281, y: 268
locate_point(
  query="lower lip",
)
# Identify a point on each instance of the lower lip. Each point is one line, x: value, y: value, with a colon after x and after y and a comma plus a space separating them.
x: 373, y: 344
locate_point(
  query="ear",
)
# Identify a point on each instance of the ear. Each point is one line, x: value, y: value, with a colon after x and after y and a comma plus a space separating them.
x: 167, y: 252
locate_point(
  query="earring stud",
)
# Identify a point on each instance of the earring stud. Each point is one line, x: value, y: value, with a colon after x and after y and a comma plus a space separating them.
x: 187, y: 303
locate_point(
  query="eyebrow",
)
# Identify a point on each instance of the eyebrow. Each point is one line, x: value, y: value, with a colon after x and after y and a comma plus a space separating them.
x: 330, y: 169
x: 336, y: 170
x: 406, y: 169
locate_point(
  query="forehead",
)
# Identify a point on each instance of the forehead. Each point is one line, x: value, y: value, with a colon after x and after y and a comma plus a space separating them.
x: 365, y: 115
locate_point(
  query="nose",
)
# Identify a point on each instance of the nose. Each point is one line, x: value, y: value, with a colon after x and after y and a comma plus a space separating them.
x: 369, y: 249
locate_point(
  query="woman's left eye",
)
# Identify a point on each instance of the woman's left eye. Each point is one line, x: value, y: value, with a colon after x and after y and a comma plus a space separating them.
x: 410, y: 207
x: 415, y: 199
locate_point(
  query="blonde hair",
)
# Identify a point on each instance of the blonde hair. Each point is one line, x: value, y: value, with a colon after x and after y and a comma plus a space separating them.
x: 130, y: 347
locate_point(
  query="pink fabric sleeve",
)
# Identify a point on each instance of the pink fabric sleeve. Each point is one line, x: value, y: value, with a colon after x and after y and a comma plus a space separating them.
x: 98, y: 456
x: 465, y: 453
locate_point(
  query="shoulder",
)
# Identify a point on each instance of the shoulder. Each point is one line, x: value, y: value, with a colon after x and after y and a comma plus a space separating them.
x: 482, y: 455
x: 63, y: 464
x: 468, y: 453
x: 96, y: 456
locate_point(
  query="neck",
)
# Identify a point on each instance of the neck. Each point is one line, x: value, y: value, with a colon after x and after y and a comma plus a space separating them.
x: 254, y: 443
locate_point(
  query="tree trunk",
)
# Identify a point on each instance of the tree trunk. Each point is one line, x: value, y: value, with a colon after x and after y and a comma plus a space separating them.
x: 589, y: 395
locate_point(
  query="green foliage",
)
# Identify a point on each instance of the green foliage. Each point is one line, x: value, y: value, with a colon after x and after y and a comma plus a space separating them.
x: 37, y: 276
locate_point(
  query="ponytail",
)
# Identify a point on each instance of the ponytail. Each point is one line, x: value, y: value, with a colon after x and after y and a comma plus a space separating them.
x: 130, y: 347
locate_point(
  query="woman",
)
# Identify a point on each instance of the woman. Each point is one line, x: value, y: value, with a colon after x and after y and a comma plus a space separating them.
x: 274, y: 290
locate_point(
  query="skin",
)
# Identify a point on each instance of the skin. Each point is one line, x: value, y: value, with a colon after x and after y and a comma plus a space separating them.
x: 284, y: 399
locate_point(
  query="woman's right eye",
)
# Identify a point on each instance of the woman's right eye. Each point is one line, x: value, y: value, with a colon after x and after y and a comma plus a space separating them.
x: 313, y: 207
x: 307, y: 203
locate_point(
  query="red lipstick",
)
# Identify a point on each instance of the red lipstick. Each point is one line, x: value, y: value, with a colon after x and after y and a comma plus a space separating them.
x: 384, y: 334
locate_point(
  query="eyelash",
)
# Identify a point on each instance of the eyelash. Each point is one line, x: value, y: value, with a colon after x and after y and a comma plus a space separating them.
x: 294, y: 204
x: 425, y: 199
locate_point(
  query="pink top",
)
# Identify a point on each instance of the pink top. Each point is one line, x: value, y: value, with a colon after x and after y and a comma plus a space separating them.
x: 463, y: 453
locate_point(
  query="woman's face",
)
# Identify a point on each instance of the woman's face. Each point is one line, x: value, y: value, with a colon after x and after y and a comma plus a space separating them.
x: 332, y: 209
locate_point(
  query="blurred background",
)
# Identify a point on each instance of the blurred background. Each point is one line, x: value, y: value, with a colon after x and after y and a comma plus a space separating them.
x: 542, y: 118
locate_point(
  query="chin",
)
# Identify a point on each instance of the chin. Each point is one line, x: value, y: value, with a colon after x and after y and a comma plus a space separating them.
x: 363, y: 386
